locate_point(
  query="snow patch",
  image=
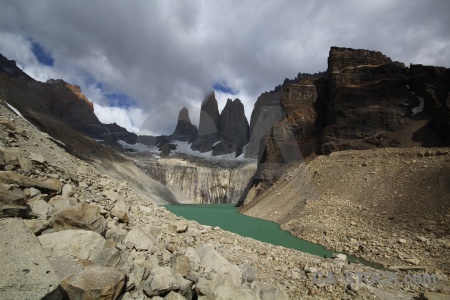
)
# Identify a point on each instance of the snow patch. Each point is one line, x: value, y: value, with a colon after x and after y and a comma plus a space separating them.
x: 184, y: 148
x: 18, y: 113
x: 419, y: 108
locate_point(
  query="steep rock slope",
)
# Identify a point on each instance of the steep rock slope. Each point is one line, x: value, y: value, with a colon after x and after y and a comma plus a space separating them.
x: 388, y: 205
x: 208, y: 129
x: 36, y: 101
x: 370, y: 104
x: 233, y: 132
x: 366, y: 101
x: 199, y: 181
x: 184, y: 131
x: 94, y: 227
x: 224, y: 133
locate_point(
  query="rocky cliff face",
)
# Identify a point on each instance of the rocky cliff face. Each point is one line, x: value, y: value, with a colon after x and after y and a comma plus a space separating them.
x: 63, y: 101
x: 208, y: 129
x: 369, y: 101
x: 67, y: 103
x: 266, y: 112
x: 184, y: 131
x: 432, y: 83
x: 201, y: 182
x: 233, y: 131
x: 223, y: 133
x: 366, y: 101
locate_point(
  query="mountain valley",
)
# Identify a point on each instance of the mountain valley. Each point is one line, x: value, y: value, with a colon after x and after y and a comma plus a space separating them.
x: 356, y: 158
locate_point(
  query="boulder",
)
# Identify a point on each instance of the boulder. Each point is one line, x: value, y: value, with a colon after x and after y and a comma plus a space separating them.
x: 65, y: 265
x: 26, y: 272
x: 174, y: 296
x: 109, y: 257
x: 209, y: 258
x: 249, y: 273
x: 37, y: 226
x: 267, y: 291
x: 50, y: 185
x: 140, y: 239
x: 16, y: 157
x: 11, y: 194
x: 94, y: 283
x: 59, y: 203
x: 164, y: 279
x: 40, y: 208
x: 120, y: 210
x: 116, y: 234
x: 181, y: 264
x: 194, y: 260
x: 80, y: 216
x: 82, y: 244
x: 436, y: 296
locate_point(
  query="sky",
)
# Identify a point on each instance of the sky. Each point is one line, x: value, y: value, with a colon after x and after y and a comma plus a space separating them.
x: 141, y: 61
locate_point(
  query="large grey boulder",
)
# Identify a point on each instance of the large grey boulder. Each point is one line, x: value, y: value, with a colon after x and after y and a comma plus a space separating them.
x: 94, y: 283
x: 164, y: 279
x: 48, y: 185
x: 221, y: 286
x: 210, y: 258
x: 120, y: 210
x: 25, y: 271
x: 267, y: 291
x: 140, y: 239
x: 80, y: 216
x: 65, y: 265
x: 249, y: 273
x: 82, y: 244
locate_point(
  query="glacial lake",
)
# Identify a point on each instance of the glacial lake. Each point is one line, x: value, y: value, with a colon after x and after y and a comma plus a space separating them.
x: 226, y: 217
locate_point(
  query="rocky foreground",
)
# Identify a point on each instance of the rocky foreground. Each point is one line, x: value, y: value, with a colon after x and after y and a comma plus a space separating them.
x: 68, y: 230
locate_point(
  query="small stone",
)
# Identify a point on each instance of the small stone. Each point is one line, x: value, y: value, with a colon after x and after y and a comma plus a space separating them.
x: 402, y: 241
x: 312, y: 292
x: 414, y: 261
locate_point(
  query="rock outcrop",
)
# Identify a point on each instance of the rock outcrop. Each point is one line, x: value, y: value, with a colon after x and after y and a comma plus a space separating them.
x: 208, y: 129
x: 364, y: 101
x: 369, y: 102
x: 224, y: 133
x: 432, y: 84
x: 234, y: 129
x: 200, y: 182
x: 266, y: 112
x: 184, y: 131
x: 26, y: 272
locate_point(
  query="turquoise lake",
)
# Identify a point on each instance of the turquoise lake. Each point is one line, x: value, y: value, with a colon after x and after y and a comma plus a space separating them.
x: 226, y: 217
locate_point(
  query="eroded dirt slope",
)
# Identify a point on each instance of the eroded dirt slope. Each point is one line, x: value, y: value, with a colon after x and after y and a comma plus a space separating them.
x: 386, y: 205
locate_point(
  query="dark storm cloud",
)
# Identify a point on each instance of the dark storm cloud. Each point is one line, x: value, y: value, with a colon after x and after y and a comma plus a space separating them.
x: 167, y: 54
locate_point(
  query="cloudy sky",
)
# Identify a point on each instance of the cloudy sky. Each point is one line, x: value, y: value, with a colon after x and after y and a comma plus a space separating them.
x: 141, y: 61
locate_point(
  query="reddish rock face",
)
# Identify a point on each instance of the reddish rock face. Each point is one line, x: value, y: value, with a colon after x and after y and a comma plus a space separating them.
x: 67, y: 103
x: 365, y: 101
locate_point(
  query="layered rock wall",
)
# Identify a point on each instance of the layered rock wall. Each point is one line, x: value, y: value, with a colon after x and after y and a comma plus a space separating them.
x: 201, y: 183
